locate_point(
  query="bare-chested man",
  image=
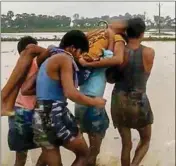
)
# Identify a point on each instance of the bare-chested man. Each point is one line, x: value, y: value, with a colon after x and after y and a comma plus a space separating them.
x: 20, y: 107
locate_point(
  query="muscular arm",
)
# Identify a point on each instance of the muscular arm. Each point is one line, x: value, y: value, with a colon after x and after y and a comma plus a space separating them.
x: 28, y: 87
x: 18, y: 73
x: 66, y: 73
x: 110, y: 44
x: 11, y: 89
x: 110, y: 34
x: 42, y: 53
x: 42, y: 57
x: 22, y: 66
x: 148, y: 59
x: 117, y: 59
x: 34, y: 49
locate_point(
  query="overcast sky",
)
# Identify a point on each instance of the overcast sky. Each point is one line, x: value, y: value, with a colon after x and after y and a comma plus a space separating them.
x: 89, y: 9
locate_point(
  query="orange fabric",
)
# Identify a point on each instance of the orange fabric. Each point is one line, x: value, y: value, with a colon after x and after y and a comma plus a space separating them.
x: 119, y: 38
x: 97, y: 41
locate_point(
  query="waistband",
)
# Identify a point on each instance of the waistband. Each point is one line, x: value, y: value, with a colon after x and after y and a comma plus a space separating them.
x: 132, y: 94
x: 50, y: 105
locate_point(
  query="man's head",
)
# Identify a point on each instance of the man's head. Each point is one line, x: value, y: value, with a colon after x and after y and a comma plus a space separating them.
x: 24, y: 41
x: 118, y: 27
x: 75, y: 42
x: 136, y: 28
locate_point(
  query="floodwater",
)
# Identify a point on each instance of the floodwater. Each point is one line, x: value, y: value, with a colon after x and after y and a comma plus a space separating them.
x: 58, y: 35
x: 161, y: 92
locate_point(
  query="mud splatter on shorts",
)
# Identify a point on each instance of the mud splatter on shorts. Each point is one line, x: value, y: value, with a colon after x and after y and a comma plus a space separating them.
x: 53, y: 124
x: 130, y: 110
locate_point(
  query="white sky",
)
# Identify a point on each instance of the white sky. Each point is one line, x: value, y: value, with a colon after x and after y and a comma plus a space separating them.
x: 89, y: 9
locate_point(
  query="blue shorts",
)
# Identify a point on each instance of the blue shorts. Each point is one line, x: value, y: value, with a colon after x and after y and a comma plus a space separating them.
x: 91, y: 119
x: 53, y: 124
x: 20, y: 135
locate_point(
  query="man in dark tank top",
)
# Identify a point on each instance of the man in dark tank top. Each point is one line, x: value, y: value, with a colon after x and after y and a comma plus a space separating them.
x: 130, y: 107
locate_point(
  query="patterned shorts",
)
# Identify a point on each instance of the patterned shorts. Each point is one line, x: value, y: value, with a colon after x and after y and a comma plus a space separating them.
x: 91, y: 119
x: 20, y: 135
x: 53, y: 124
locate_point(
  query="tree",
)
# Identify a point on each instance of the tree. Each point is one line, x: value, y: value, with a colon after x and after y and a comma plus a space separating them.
x: 128, y: 16
x: 76, y: 16
x: 26, y: 21
x: 4, y: 21
x: 156, y: 19
x: 168, y: 21
x: 10, y: 15
x: 106, y: 18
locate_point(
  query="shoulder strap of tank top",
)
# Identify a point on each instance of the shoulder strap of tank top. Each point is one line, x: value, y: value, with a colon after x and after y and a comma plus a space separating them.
x: 56, y: 50
x: 139, y: 56
x: 75, y: 67
x: 74, y: 63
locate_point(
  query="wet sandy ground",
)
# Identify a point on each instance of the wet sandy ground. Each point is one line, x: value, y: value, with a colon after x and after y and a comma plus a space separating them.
x: 161, y: 92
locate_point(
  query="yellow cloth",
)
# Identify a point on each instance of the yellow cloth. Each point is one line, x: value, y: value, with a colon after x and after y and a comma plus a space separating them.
x: 118, y: 37
x: 97, y: 42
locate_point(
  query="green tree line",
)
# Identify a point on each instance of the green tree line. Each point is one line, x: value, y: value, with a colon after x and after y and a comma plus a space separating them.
x: 25, y: 22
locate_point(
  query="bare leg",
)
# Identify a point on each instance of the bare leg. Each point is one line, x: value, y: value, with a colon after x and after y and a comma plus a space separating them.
x: 21, y: 158
x: 94, y: 149
x: 143, y: 146
x: 80, y: 148
x: 42, y: 159
x: 51, y: 157
x: 125, y: 134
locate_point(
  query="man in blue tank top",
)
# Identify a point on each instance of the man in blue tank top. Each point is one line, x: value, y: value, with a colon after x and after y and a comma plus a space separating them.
x: 53, y: 123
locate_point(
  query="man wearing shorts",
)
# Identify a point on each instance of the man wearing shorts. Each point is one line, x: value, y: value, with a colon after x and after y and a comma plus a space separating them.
x: 20, y: 136
x: 94, y: 121
x: 53, y: 123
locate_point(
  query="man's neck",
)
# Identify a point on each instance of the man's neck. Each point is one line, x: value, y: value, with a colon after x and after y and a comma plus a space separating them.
x: 67, y: 50
x: 134, y: 43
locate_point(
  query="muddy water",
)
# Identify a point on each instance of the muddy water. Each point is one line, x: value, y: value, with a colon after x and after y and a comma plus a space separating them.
x: 161, y: 92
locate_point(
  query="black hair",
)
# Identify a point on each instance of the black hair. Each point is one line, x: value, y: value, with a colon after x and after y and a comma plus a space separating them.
x: 24, y: 41
x: 75, y: 38
x: 125, y: 37
x: 136, y: 26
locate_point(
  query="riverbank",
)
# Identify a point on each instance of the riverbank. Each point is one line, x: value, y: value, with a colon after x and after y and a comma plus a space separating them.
x: 45, y: 30
x: 9, y: 39
x: 66, y: 29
